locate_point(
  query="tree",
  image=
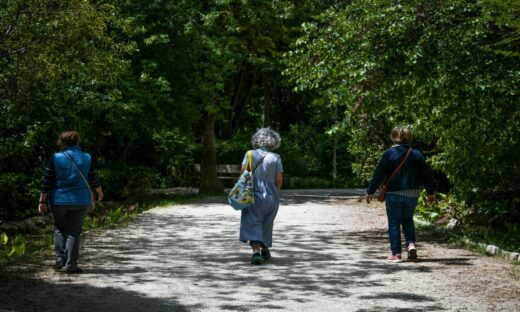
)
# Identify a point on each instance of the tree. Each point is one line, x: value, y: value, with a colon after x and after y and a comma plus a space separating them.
x: 427, y: 64
x: 58, y: 62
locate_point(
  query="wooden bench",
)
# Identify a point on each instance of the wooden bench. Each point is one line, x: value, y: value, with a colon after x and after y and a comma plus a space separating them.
x: 228, y: 174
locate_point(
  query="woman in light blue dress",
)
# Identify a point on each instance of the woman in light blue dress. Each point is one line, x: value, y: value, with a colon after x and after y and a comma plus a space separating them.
x: 256, y: 223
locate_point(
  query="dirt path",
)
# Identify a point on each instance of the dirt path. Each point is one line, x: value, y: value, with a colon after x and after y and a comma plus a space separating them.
x: 328, y: 255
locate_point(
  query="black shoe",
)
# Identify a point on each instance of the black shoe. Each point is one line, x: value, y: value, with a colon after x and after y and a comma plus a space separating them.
x: 73, y: 271
x: 266, y: 254
x: 256, y: 258
x: 58, y: 266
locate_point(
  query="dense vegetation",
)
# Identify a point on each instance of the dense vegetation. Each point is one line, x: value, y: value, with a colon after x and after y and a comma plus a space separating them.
x: 156, y: 86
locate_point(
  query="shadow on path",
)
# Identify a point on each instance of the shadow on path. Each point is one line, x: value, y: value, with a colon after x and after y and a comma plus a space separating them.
x: 21, y: 293
x: 189, y: 259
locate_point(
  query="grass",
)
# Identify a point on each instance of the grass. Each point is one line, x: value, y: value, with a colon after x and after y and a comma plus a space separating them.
x: 117, y: 215
x: 506, y: 236
x: 472, y: 237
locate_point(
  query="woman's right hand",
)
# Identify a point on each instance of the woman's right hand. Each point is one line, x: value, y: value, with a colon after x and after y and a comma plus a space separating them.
x: 43, y: 209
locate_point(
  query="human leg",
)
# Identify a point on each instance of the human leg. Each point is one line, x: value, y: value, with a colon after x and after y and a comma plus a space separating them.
x: 394, y: 214
x: 75, y: 216
x: 257, y: 257
x: 409, y: 227
x: 409, y: 205
x: 60, y: 235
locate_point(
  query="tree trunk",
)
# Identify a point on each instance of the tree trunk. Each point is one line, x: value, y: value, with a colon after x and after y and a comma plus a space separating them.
x: 240, y: 101
x: 267, y: 102
x: 334, y: 158
x: 210, y: 182
x: 335, y: 152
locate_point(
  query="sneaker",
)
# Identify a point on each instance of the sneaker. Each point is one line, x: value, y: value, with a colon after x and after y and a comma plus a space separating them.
x: 266, y: 254
x: 256, y: 258
x: 75, y: 270
x: 58, y: 265
x: 412, y: 251
x: 394, y: 258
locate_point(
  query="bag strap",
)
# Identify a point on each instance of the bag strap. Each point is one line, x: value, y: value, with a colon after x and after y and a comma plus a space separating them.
x: 78, y: 170
x: 259, y: 163
x: 398, y: 167
x: 249, y: 164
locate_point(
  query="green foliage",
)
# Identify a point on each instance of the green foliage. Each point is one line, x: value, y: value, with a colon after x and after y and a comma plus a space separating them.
x: 140, y: 183
x: 11, y: 247
x: 306, y: 182
x: 426, y: 64
x: 307, y: 151
x: 444, y: 208
x: 176, y: 153
x: 506, y: 237
x: 17, y: 200
x: 132, y: 183
x: 503, y: 14
x: 232, y: 151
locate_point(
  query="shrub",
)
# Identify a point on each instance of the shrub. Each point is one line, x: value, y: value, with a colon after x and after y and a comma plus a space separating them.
x: 17, y: 200
x: 175, y: 152
x: 231, y: 151
x: 306, y: 182
x: 121, y: 183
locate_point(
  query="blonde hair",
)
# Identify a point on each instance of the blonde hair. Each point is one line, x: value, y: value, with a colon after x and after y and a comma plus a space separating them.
x: 401, y: 135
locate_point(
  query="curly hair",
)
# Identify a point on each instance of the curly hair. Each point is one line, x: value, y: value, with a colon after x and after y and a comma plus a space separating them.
x: 266, y: 138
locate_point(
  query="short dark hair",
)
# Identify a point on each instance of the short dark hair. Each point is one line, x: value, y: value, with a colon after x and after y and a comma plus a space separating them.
x: 68, y: 138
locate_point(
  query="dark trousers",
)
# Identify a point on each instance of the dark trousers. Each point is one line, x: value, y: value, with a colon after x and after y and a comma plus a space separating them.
x: 68, y: 222
x: 400, y: 210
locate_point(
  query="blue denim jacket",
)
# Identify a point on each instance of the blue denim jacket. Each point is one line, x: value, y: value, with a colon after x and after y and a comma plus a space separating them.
x: 413, y: 175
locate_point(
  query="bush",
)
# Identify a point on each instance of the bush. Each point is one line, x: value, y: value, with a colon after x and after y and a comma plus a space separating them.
x: 121, y: 183
x: 18, y: 201
x: 306, y: 183
x: 232, y: 151
x: 175, y: 152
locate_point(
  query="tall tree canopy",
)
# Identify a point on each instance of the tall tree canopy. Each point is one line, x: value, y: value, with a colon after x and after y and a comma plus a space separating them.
x: 428, y: 64
x: 155, y: 86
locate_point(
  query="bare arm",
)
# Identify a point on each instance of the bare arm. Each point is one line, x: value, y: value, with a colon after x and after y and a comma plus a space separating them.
x: 279, y: 180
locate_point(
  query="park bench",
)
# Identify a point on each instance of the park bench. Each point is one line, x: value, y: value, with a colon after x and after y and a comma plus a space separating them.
x: 226, y: 173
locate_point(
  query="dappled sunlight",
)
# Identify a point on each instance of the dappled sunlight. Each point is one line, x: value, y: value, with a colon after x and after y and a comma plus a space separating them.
x: 188, y: 258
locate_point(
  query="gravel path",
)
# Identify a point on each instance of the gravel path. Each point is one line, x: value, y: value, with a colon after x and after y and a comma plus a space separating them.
x: 328, y: 255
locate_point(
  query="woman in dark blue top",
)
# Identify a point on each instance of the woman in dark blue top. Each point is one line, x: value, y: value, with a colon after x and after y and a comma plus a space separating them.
x: 402, y: 190
x: 66, y: 188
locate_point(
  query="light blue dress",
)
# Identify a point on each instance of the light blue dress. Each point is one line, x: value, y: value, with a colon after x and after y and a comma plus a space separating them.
x: 256, y: 223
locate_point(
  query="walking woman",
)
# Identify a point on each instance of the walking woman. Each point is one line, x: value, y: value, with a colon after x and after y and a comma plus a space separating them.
x: 256, y: 223
x: 402, y: 190
x: 67, y: 194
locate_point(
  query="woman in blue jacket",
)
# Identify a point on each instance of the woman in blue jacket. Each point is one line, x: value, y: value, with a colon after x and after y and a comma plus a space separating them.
x: 402, y: 190
x: 66, y: 188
